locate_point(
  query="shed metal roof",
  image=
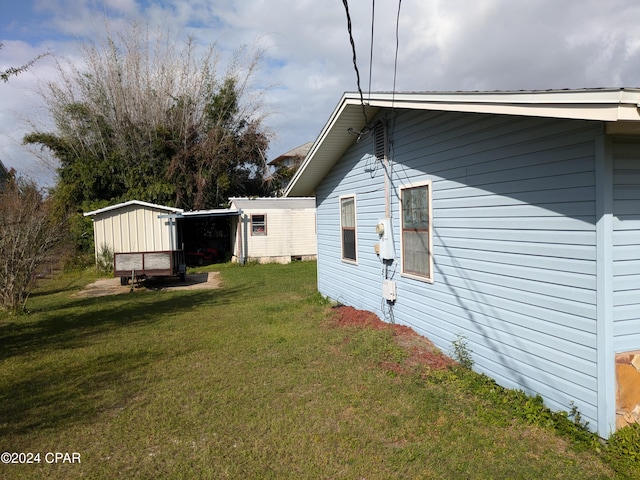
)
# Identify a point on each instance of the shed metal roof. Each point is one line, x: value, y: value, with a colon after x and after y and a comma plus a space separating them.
x: 246, y: 203
x: 236, y: 205
x: 133, y: 202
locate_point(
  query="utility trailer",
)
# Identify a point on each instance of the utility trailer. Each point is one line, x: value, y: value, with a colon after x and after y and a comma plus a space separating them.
x: 137, y: 265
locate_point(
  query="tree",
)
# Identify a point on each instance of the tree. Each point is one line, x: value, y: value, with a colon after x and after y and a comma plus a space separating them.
x: 14, y: 71
x: 146, y: 117
x: 226, y: 159
x: 29, y: 234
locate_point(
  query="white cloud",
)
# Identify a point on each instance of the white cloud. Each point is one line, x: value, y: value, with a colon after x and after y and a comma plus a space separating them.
x: 20, y: 104
x: 443, y: 45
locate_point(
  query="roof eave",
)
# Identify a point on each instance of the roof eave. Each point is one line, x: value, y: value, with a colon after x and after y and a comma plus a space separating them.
x: 606, y: 105
x: 129, y: 203
x: 333, y: 140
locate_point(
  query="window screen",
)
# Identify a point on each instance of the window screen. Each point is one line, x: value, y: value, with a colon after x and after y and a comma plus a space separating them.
x: 416, y: 230
x: 348, y: 227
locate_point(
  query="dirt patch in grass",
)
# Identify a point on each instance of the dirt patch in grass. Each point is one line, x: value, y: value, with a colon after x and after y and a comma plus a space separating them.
x: 111, y: 286
x: 421, y: 351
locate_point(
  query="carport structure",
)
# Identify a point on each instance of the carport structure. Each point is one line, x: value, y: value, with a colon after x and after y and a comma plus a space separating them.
x: 137, y: 226
x: 255, y: 229
x: 206, y: 235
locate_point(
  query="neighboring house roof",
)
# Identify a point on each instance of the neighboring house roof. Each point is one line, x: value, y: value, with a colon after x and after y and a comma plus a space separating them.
x: 296, y: 153
x: 133, y: 202
x: 245, y: 203
x: 617, y: 106
x: 4, y: 175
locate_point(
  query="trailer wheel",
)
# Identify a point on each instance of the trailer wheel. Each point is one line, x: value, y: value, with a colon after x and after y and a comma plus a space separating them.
x: 124, y: 281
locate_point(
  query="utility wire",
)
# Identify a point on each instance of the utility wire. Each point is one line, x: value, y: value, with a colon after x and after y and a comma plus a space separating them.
x: 395, y: 72
x: 395, y: 61
x: 355, y: 64
x: 373, y: 16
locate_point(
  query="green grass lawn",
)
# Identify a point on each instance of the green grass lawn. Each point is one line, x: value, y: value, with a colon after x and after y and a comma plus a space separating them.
x: 249, y: 381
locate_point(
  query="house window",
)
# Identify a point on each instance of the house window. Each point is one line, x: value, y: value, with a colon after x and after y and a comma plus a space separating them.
x: 348, y: 228
x: 417, y: 259
x: 258, y: 224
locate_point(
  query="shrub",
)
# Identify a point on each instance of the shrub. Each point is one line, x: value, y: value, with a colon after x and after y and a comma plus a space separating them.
x: 105, y: 260
x: 623, y: 451
x: 29, y: 236
x: 461, y: 352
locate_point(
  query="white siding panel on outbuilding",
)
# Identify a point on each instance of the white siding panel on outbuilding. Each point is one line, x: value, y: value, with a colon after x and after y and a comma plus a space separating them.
x: 134, y: 227
x: 290, y: 231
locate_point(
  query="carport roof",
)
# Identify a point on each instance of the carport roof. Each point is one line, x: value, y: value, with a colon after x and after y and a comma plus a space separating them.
x: 237, y: 205
x: 218, y: 212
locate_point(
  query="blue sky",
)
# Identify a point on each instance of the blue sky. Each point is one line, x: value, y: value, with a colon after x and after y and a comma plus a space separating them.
x: 443, y: 45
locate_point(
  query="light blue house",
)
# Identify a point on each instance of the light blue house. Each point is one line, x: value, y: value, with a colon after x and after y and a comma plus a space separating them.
x: 509, y: 218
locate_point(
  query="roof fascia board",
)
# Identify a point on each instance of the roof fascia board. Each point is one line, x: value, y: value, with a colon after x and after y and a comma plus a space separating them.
x: 219, y: 212
x: 133, y: 202
x: 607, y: 105
x: 347, y: 102
x: 603, y: 105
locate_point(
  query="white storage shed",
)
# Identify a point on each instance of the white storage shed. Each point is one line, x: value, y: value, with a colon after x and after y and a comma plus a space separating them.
x: 274, y: 229
x: 134, y: 226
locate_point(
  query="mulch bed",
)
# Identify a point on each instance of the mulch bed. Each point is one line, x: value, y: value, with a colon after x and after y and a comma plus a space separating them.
x: 421, y: 351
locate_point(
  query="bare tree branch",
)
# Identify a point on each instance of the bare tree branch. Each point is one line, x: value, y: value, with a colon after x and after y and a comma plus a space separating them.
x: 15, y: 71
x: 28, y: 236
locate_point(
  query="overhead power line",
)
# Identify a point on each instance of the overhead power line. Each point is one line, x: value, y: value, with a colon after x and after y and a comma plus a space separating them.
x: 395, y: 61
x: 355, y: 63
x: 373, y: 16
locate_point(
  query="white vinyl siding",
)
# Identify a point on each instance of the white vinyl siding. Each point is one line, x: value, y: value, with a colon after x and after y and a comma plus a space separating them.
x: 133, y: 228
x: 290, y: 226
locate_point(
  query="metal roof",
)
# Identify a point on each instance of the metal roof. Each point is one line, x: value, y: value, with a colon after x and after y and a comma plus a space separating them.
x: 133, y: 202
x: 237, y: 204
x: 619, y: 106
x: 246, y: 203
x: 217, y: 212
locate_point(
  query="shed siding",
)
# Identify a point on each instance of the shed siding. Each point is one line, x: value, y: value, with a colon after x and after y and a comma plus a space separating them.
x: 132, y: 229
x: 303, y: 232
x: 514, y: 244
x: 290, y: 233
x: 626, y: 245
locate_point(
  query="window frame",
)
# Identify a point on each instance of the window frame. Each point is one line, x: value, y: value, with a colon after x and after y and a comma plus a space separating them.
x: 353, y: 261
x: 404, y: 271
x: 255, y: 224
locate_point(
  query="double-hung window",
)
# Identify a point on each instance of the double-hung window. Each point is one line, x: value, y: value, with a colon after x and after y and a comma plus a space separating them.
x: 417, y: 245
x: 258, y: 224
x: 348, y: 228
